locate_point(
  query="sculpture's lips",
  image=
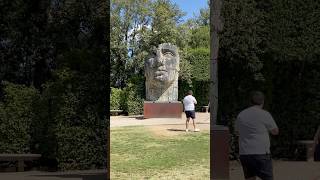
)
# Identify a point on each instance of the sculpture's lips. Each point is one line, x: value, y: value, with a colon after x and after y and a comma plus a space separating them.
x: 160, y: 72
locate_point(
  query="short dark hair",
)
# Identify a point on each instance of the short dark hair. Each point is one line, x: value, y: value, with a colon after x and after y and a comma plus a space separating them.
x: 257, y: 98
x: 190, y: 92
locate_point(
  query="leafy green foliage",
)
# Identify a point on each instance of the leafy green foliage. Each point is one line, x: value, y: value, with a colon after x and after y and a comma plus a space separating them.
x: 115, y: 98
x: 199, y: 59
x: 16, y: 116
x: 138, y: 26
x: 270, y: 46
x: 134, y: 102
x: 196, y: 65
x: 200, y: 37
x: 55, y: 54
x: 164, y: 25
x: 70, y: 125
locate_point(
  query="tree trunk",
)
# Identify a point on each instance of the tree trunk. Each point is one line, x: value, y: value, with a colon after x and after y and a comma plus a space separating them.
x: 215, y: 27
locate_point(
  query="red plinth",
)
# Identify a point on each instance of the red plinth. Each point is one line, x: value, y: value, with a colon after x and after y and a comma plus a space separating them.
x: 162, y: 109
x: 219, y: 152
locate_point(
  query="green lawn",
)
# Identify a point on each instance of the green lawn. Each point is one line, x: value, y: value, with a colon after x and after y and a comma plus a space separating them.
x: 137, y: 153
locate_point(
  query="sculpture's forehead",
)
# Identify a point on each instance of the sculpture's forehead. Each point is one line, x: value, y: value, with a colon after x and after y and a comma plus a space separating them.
x: 167, y: 46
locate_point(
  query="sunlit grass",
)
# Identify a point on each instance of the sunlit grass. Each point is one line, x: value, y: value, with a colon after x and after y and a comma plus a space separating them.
x: 136, y: 153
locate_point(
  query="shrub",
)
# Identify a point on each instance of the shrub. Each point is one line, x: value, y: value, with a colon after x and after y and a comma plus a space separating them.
x: 134, y: 102
x: 69, y: 129
x: 198, y: 61
x: 116, y: 99
x: 15, y: 118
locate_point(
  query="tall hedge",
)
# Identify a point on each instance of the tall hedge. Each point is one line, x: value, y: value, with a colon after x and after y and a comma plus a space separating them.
x: 199, y: 59
x: 16, y: 115
x: 63, y: 122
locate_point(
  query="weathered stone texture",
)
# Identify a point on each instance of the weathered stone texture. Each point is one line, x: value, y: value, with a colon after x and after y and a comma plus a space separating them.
x: 162, y: 72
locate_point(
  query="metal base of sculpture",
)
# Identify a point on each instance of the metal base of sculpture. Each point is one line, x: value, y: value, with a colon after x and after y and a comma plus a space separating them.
x: 152, y: 109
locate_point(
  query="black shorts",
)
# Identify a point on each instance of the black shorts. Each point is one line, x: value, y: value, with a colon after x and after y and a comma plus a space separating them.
x: 257, y: 165
x: 191, y: 114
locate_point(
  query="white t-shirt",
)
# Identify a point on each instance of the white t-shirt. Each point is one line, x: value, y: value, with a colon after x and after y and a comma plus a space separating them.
x: 253, y: 125
x: 189, y: 102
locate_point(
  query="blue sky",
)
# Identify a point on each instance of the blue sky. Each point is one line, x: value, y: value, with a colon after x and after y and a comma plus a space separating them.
x: 190, y: 7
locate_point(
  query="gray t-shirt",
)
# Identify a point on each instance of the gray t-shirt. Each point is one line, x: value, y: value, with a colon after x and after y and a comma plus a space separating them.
x: 253, y: 125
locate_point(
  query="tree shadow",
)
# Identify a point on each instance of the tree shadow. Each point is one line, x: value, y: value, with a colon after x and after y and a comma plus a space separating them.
x: 137, y: 117
x: 172, y: 129
x: 140, y: 117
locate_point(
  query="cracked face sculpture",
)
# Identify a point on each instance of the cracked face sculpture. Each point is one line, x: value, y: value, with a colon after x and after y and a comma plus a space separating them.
x: 162, y: 72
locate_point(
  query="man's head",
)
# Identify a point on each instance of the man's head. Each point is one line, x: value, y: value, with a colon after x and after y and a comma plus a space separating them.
x: 163, y: 65
x: 257, y: 98
x: 190, y: 92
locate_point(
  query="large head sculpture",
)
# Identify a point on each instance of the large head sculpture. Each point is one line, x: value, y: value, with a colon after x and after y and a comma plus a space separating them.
x: 162, y: 71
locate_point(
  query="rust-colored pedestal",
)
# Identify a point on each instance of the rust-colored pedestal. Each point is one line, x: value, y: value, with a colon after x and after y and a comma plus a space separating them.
x: 162, y: 109
x: 219, y: 153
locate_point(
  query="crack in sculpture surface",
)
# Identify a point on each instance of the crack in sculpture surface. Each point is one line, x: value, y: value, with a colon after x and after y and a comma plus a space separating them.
x: 162, y: 72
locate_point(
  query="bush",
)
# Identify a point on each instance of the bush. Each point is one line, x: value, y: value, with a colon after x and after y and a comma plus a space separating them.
x: 116, y: 99
x: 134, y: 102
x: 69, y: 128
x: 16, y: 116
x: 199, y: 62
x: 199, y: 59
x: 200, y: 92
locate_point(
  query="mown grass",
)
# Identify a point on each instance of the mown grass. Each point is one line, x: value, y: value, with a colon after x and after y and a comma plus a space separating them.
x: 136, y: 153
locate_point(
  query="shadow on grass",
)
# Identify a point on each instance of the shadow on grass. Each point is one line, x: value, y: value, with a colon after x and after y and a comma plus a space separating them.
x: 176, y: 130
x: 138, y: 117
x: 80, y: 176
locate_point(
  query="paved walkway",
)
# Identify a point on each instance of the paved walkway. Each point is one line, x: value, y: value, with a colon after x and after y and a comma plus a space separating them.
x: 70, y: 175
x: 119, y: 121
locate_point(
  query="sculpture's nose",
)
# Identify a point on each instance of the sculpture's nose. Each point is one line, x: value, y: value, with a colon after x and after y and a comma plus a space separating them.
x: 160, y: 59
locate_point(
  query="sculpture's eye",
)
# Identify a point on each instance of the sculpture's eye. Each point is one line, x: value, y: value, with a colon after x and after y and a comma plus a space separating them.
x: 166, y: 52
x: 151, y: 62
x: 154, y: 53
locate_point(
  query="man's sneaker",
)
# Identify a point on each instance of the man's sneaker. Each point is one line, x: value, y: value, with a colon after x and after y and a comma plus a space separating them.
x: 187, y: 130
x: 196, y: 130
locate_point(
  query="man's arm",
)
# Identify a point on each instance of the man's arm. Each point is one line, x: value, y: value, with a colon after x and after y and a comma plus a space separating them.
x: 194, y: 100
x: 274, y: 131
x: 271, y: 125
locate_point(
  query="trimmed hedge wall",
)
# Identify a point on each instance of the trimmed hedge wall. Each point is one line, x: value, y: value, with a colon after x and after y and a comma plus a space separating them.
x: 63, y: 123
x: 16, y: 115
x: 130, y: 98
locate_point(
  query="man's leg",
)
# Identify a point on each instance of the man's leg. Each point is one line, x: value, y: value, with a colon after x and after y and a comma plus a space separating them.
x: 193, y: 116
x: 264, y: 163
x: 194, y: 125
x: 187, y: 122
x: 248, y: 166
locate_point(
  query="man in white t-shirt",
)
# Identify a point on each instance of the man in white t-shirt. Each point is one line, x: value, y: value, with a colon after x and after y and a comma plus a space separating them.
x: 253, y: 126
x: 189, y: 101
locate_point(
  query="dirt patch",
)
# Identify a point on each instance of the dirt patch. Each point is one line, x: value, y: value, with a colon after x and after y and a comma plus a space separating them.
x: 167, y: 131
